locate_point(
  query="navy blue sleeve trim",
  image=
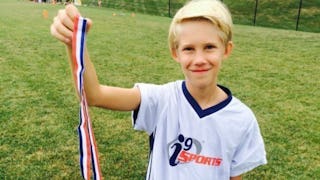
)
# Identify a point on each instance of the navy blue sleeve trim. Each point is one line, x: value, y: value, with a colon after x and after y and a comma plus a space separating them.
x: 135, y: 115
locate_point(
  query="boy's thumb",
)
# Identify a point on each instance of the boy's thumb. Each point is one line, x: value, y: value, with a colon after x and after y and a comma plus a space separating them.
x: 89, y: 24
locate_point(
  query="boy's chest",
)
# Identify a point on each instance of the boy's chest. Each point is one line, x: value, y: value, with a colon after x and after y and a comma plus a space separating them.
x: 194, y: 147
x: 204, y: 141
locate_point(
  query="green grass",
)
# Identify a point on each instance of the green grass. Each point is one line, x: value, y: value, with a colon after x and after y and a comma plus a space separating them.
x: 275, y: 72
x: 270, y: 13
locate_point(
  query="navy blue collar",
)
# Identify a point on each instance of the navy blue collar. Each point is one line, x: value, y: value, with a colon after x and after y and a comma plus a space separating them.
x: 205, y: 112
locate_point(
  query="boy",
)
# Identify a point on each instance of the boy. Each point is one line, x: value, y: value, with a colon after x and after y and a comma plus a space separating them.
x: 197, y: 129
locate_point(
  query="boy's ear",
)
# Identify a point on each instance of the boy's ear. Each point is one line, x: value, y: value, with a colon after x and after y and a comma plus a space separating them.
x: 174, y: 54
x: 228, y: 50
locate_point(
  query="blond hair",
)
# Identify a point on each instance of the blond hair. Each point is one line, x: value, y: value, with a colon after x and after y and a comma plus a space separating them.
x: 212, y: 11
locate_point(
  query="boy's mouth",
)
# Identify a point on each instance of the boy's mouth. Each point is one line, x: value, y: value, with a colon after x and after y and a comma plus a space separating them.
x: 199, y: 70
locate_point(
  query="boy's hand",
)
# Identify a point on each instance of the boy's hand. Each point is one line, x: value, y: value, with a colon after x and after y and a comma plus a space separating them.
x: 63, y: 24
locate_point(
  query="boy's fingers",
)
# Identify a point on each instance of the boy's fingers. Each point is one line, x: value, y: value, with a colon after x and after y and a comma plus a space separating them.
x: 67, y: 33
x: 59, y: 36
x: 60, y: 31
x: 89, y: 24
x: 61, y: 28
x: 63, y: 24
x: 72, y: 11
x: 65, y: 19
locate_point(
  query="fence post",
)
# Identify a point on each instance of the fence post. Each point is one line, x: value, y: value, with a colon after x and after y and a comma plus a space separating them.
x: 298, y: 17
x: 255, y: 13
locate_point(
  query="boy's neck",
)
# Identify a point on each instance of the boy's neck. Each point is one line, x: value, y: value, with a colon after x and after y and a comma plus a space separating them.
x: 207, y: 97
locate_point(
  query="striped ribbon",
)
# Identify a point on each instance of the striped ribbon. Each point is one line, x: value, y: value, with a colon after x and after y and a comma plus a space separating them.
x: 88, y: 148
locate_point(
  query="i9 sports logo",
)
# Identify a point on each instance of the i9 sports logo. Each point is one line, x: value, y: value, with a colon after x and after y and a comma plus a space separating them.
x: 188, y: 150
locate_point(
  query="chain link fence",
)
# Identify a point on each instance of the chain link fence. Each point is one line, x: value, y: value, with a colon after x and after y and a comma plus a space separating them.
x: 301, y: 15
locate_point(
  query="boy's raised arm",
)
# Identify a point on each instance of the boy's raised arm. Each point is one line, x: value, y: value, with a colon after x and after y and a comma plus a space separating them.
x: 97, y: 95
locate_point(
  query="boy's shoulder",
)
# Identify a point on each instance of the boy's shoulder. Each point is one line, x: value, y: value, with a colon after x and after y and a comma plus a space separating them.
x: 237, y: 110
x: 161, y: 88
x: 235, y: 105
x: 168, y: 84
x: 240, y: 109
x: 239, y: 105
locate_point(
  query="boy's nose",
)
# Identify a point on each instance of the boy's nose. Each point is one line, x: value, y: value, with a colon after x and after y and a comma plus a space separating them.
x: 199, y: 58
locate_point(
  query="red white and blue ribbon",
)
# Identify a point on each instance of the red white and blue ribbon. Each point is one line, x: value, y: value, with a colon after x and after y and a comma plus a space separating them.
x: 88, y: 148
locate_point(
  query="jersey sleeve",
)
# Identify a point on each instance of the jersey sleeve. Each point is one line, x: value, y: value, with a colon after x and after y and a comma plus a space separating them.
x: 250, y: 152
x: 145, y: 117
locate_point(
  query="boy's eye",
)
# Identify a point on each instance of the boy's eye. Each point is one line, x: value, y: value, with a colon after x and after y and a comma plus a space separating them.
x: 210, y: 47
x: 187, y: 49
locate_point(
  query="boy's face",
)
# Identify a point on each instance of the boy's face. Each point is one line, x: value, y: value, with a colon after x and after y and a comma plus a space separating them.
x: 200, y: 52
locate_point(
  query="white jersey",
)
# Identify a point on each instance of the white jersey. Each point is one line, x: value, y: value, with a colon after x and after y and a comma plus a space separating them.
x: 187, y: 142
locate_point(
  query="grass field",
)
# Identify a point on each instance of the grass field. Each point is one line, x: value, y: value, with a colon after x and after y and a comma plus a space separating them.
x: 270, y: 13
x: 275, y: 72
